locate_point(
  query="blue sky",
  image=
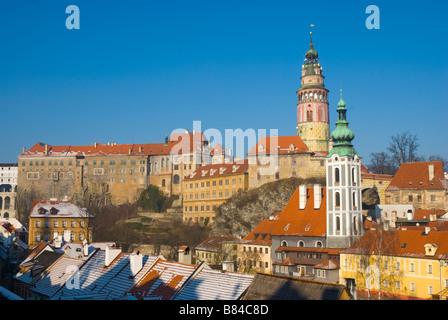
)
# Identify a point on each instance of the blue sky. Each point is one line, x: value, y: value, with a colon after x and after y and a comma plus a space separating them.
x: 138, y: 69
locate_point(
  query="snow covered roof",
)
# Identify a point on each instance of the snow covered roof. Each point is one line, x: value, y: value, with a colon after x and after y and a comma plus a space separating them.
x: 61, y: 209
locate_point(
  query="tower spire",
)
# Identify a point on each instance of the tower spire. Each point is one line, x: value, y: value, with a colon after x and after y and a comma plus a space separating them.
x: 342, y: 136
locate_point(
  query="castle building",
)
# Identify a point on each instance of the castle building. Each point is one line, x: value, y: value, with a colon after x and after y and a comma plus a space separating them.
x: 312, y: 106
x: 344, y: 198
x: 274, y: 158
x: 118, y: 172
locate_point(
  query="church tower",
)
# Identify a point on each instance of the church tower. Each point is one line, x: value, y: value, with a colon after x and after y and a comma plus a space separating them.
x: 312, y: 107
x: 344, y: 199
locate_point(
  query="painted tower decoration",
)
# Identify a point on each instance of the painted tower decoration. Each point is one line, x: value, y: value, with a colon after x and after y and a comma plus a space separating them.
x: 312, y: 107
x: 344, y: 200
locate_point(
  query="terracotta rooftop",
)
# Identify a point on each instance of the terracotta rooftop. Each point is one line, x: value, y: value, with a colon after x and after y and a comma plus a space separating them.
x: 178, y: 143
x: 216, y: 170
x: 409, y: 243
x: 303, y: 222
x: 279, y: 145
x: 261, y: 234
x: 419, y: 176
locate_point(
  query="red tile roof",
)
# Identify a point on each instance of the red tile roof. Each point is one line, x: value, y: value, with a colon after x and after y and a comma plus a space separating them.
x: 415, y: 176
x: 279, y: 145
x: 303, y: 222
x: 261, y: 234
x: 217, y: 170
x: 178, y: 143
x: 420, y: 214
x: 409, y: 243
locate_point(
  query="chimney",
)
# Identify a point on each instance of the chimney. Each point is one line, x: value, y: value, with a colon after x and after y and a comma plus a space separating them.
x: 111, y: 253
x: 431, y: 171
x: 67, y: 233
x: 140, y: 149
x: 427, y: 229
x: 136, y: 261
x: 46, y: 149
x: 302, y: 197
x: 85, y: 249
x: 317, y: 196
x: 95, y: 144
x: 24, y: 149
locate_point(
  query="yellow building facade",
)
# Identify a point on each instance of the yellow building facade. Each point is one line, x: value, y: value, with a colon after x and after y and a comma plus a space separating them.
x: 416, y: 267
x: 209, y: 186
x: 60, y: 221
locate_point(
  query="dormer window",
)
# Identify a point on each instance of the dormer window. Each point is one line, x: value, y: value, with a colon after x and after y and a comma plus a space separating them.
x: 221, y: 170
x: 234, y: 168
x: 291, y: 147
x: 53, y: 210
x: 212, y: 171
x: 431, y: 249
x: 41, y: 210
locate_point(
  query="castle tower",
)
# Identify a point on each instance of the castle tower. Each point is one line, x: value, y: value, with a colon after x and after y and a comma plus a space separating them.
x: 312, y: 107
x: 344, y: 199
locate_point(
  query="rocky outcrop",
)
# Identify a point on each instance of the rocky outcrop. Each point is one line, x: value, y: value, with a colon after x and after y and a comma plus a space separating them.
x: 244, y: 211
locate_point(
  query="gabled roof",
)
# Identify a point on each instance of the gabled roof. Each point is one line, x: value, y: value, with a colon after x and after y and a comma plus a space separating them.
x: 163, y: 280
x: 56, y: 275
x: 303, y: 222
x: 416, y: 176
x: 98, y: 282
x: 272, y: 287
x: 279, y: 145
x: 208, y: 284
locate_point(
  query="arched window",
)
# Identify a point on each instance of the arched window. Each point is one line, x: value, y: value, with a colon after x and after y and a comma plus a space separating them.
x: 309, y: 116
x: 163, y: 163
x: 319, y: 244
x: 354, y: 199
x: 6, y: 215
x: 338, y: 223
x: 7, y: 203
x: 337, y: 177
x: 1, y: 203
x: 337, y: 197
x: 163, y: 183
x: 355, y: 225
x: 176, y: 179
x: 301, y: 244
x: 284, y: 243
x: 354, y: 176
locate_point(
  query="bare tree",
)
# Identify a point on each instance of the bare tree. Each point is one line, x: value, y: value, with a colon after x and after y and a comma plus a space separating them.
x: 403, y: 148
x: 381, y: 163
